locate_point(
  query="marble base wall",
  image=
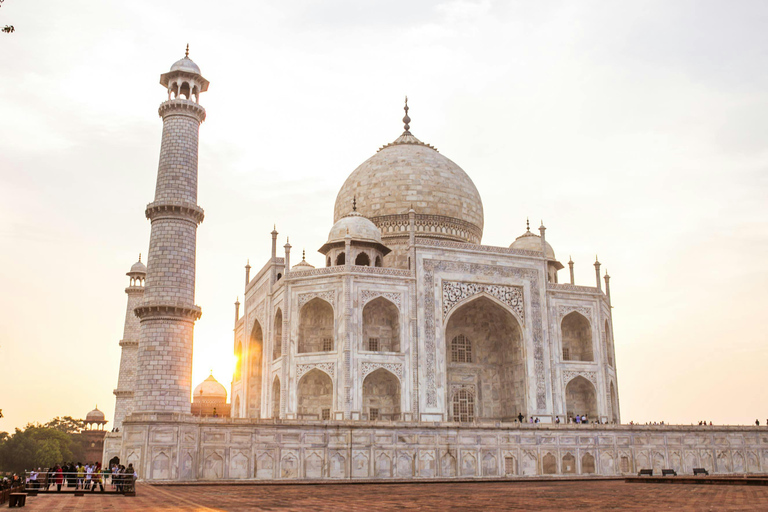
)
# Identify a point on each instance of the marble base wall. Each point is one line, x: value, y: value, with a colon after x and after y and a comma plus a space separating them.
x: 182, y: 448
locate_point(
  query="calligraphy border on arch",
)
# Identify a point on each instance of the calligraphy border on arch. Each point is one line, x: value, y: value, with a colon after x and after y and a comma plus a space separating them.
x: 328, y: 296
x: 430, y: 267
x: 569, y: 375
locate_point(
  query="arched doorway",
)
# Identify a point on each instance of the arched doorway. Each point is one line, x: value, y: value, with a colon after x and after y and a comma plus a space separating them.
x: 484, y: 356
x: 315, y: 396
x: 277, y: 339
x: 255, y: 366
x: 577, y: 338
x: 316, y: 327
x: 381, y: 395
x: 581, y: 399
x: 381, y: 326
x: 276, y: 398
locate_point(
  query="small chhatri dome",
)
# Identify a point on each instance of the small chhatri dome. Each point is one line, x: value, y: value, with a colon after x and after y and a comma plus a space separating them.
x: 186, y: 64
x: 359, y: 228
x: 95, y: 416
x: 210, y: 388
x: 529, y: 241
x: 303, y: 264
x: 138, y: 267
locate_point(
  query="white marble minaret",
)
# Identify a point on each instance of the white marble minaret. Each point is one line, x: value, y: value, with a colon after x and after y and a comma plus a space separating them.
x: 129, y: 345
x: 168, y: 313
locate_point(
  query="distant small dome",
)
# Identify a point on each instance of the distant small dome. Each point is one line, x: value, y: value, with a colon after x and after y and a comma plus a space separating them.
x: 138, y: 267
x: 531, y: 242
x: 187, y: 65
x: 303, y: 265
x: 359, y: 228
x: 209, y: 388
x: 94, y: 416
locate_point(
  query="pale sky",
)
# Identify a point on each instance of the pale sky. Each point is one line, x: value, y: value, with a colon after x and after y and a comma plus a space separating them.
x: 636, y: 130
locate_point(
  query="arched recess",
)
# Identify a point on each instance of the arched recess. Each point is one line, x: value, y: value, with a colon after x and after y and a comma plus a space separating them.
x: 316, y: 327
x: 377, y: 261
x: 577, y: 338
x: 255, y: 365
x: 363, y: 260
x: 276, y: 398
x: 608, y: 345
x: 341, y: 259
x: 381, y: 395
x: 277, y: 339
x: 381, y: 326
x: 315, y: 395
x: 614, y: 404
x: 581, y: 398
x: 484, y: 353
x: 238, y: 361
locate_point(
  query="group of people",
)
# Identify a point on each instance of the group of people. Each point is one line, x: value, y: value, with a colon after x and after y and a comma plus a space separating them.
x: 82, y: 476
x: 13, y: 482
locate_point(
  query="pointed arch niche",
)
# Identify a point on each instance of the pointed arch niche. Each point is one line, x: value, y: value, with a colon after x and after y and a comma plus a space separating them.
x: 255, y: 366
x: 277, y: 339
x: 484, y: 353
x: 315, y: 395
x: 381, y: 395
x: 316, y: 327
x: 381, y: 326
x: 276, y: 398
x: 581, y: 398
x: 577, y: 338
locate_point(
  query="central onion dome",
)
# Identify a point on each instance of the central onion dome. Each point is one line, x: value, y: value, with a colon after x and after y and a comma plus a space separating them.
x: 408, y: 173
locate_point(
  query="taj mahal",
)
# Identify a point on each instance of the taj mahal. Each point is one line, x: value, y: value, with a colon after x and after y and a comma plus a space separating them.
x: 415, y: 352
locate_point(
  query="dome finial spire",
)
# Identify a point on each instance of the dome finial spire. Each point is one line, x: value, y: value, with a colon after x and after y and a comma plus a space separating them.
x: 407, y: 119
x: 354, y: 203
x: 186, y: 52
x: 527, y: 225
x: 139, y: 256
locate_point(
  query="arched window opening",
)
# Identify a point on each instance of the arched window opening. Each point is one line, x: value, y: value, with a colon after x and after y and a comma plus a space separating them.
x: 340, y: 259
x: 184, y: 91
x: 484, y: 345
x: 175, y: 90
x: 587, y: 464
x: 577, y: 338
x: 464, y: 406
x: 549, y: 464
x: 277, y: 339
x: 461, y: 349
x: 255, y: 365
x: 581, y: 399
x: 569, y: 463
x: 363, y: 260
x: 381, y: 326
x: 239, y: 360
x: 377, y: 261
x: 279, y: 276
x: 316, y: 327
x: 276, y: 398
x: 381, y: 395
x: 315, y: 396
x: 614, y: 404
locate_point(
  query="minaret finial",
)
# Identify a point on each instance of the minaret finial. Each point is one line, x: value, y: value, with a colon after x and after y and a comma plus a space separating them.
x: 354, y: 203
x: 303, y: 255
x: 186, y: 53
x: 139, y: 257
x: 407, y: 119
x: 527, y: 225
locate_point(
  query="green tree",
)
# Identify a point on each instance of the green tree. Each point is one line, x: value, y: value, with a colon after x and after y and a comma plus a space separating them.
x: 56, y: 442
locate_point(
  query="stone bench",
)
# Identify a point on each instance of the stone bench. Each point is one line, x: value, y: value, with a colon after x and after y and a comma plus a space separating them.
x: 700, y: 471
x: 668, y: 472
x: 17, y: 499
x: 645, y: 472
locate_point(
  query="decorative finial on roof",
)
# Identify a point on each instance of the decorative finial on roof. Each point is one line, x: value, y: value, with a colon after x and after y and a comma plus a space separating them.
x: 354, y: 203
x: 186, y: 53
x: 303, y: 255
x: 407, y: 119
x: 527, y: 225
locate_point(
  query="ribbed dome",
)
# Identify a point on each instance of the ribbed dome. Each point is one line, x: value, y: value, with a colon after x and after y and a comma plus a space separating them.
x: 531, y: 242
x: 187, y: 65
x: 358, y: 227
x: 94, y: 416
x: 209, y: 388
x: 408, y: 173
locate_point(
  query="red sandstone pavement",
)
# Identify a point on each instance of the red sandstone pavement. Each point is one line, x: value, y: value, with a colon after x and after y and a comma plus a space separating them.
x: 530, y: 496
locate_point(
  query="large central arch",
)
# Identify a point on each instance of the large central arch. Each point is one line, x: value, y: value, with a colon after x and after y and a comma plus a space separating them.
x: 485, y: 362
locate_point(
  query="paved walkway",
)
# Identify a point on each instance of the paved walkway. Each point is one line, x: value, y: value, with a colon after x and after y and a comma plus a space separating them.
x: 485, y: 496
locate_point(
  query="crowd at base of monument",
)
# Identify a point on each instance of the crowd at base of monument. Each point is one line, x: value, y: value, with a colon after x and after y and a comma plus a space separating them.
x: 184, y: 448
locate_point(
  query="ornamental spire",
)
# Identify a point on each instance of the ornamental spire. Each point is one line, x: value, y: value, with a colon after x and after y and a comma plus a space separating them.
x: 407, y: 119
x: 186, y: 53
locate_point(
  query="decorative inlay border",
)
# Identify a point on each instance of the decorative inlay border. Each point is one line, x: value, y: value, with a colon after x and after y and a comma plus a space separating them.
x: 368, y: 295
x: 478, y: 248
x: 396, y: 368
x: 492, y: 271
x: 569, y: 375
x: 567, y: 287
x: 328, y: 296
x: 456, y: 291
x: 564, y: 310
x: 329, y: 368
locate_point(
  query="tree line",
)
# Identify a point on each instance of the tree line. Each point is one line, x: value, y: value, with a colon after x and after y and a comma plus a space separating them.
x: 42, y: 445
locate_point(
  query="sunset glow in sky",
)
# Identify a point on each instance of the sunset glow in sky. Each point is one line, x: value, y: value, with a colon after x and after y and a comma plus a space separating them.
x: 636, y: 130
